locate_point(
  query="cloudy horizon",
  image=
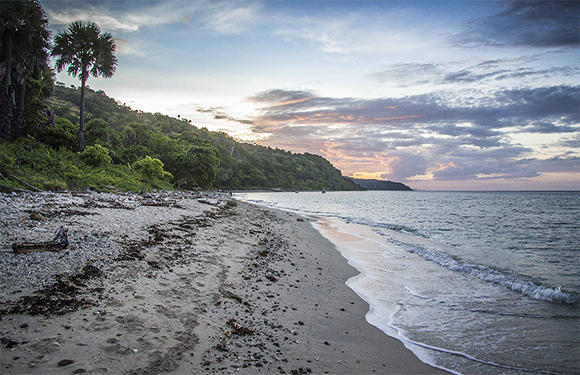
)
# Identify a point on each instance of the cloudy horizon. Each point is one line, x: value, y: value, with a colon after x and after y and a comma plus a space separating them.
x: 440, y: 95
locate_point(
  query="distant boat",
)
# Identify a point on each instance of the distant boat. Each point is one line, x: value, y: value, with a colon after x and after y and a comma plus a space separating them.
x: 323, y: 191
x: 296, y: 191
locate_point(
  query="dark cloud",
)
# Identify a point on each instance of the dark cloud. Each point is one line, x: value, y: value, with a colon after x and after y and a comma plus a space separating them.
x: 218, y: 114
x: 573, y: 142
x: 565, y: 164
x: 527, y: 23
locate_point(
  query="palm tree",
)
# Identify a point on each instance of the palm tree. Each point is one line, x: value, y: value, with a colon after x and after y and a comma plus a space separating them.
x: 86, y: 51
x: 24, y: 40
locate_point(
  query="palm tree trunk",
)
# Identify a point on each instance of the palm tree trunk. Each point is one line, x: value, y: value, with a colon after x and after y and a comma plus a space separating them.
x: 18, y: 124
x: 81, y: 138
x: 6, y: 94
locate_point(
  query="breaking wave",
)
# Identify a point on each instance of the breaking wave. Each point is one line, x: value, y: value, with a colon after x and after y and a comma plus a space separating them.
x: 528, y: 288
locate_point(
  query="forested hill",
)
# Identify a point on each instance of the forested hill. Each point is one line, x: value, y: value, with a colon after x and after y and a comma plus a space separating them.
x: 381, y: 185
x: 131, y: 135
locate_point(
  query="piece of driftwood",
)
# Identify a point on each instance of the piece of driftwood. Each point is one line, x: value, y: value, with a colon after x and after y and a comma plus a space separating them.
x: 34, y: 188
x: 10, y: 189
x: 211, y: 202
x: 59, y: 242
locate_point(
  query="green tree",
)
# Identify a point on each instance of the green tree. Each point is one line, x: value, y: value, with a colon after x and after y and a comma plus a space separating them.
x: 96, y: 156
x: 24, y: 42
x: 85, y: 50
x: 97, y: 130
x: 151, y: 168
x: 198, y: 166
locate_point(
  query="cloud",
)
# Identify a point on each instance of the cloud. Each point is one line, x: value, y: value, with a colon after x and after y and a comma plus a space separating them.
x: 105, y: 21
x: 219, y: 16
x: 489, y: 71
x: 573, y: 142
x: 405, y: 166
x: 521, y: 108
x: 543, y: 24
x: 353, y: 32
x: 124, y: 47
x: 218, y: 114
x: 232, y: 18
x: 461, y: 135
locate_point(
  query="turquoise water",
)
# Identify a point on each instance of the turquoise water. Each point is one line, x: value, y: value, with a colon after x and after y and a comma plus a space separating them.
x: 475, y: 282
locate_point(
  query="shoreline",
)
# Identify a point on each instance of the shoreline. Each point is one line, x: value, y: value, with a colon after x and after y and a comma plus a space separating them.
x: 185, y: 284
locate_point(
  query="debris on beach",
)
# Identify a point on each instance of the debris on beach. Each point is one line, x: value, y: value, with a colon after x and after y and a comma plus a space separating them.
x: 237, y: 329
x: 59, y: 242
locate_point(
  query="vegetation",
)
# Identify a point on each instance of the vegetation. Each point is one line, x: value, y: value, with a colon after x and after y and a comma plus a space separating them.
x: 24, y: 42
x: 120, y: 148
x: 370, y: 184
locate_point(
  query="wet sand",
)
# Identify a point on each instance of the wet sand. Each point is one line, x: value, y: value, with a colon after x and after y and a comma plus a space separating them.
x: 180, y: 283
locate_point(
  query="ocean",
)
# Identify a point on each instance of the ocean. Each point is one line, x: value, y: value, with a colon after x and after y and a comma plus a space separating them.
x: 472, y: 282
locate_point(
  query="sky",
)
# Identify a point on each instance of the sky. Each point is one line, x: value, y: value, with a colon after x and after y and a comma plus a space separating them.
x: 439, y: 95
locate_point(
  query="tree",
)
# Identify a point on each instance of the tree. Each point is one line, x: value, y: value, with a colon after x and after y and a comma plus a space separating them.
x: 198, y: 165
x: 85, y: 50
x: 24, y: 41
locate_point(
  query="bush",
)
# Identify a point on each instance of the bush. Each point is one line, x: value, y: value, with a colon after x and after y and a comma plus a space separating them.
x: 132, y: 154
x: 96, y: 131
x: 151, y: 168
x: 63, y: 134
x: 96, y: 156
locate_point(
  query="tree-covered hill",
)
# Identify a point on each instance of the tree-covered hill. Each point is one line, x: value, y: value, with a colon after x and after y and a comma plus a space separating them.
x: 131, y: 135
x: 371, y: 184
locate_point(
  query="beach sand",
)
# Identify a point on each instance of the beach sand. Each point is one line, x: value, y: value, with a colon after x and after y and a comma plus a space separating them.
x: 181, y: 283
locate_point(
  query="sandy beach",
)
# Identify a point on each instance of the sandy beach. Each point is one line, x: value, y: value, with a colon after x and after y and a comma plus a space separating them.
x: 187, y: 283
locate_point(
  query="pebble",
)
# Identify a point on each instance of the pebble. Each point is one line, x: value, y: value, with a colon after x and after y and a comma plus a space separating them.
x: 65, y: 362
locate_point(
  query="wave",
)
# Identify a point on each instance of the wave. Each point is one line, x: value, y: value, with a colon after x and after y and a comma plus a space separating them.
x: 528, y: 288
x: 393, y: 227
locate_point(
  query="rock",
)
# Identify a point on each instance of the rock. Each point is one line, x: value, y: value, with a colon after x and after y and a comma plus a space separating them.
x: 65, y: 362
x: 24, y: 325
x: 37, y: 216
x: 8, y: 342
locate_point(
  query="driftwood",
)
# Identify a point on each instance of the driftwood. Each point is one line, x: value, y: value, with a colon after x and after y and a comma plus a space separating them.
x: 59, y: 242
x: 10, y: 189
x: 211, y: 202
x: 34, y: 188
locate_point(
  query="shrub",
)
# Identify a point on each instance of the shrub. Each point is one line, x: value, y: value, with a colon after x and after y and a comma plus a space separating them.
x: 96, y: 156
x: 63, y: 134
x: 151, y: 168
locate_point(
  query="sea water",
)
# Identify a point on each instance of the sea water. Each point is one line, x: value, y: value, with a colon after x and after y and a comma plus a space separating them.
x: 473, y: 282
